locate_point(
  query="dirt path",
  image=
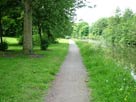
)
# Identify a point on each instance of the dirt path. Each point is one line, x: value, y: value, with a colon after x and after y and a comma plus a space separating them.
x: 70, y: 84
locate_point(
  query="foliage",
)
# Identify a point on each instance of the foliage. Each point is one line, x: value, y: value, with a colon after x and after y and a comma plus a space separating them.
x: 80, y: 29
x: 120, y: 28
x: 11, y: 17
x: 20, y: 40
x: 51, y: 20
x: 45, y: 44
x: 54, y: 18
x: 108, y: 81
x: 50, y: 17
x: 98, y: 27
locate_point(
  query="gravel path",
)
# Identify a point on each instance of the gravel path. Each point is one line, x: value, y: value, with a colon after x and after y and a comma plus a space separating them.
x: 70, y: 83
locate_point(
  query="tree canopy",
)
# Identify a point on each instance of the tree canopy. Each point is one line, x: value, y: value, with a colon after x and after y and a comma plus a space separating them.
x: 50, y: 18
x: 120, y: 28
x: 80, y: 29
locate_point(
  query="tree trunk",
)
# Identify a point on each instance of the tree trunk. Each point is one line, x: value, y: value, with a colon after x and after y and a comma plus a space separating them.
x: 40, y: 34
x: 1, y: 30
x: 50, y: 36
x: 27, y: 41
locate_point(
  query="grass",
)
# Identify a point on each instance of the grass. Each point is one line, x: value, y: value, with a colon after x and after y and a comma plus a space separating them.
x: 26, y: 78
x: 10, y: 40
x: 108, y: 81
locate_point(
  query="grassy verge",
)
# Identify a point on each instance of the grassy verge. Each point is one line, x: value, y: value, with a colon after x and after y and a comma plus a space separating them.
x: 108, y: 81
x: 26, y: 78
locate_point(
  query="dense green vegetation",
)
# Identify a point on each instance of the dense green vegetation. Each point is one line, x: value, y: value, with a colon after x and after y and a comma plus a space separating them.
x: 27, y: 78
x: 120, y: 28
x: 80, y: 30
x: 108, y: 81
x: 117, y: 29
x: 109, y: 75
x: 49, y: 20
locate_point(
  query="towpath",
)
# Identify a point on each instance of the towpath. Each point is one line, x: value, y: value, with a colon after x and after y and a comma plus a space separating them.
x: 70, y: 83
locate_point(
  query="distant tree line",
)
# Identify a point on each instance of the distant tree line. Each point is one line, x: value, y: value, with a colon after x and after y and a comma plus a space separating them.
x: 80, y: 30
x: 120, y: 28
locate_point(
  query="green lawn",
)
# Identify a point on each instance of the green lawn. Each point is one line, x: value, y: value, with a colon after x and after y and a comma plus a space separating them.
x: 27, y: 78
x: 10, y: 40
x: 108, y: 81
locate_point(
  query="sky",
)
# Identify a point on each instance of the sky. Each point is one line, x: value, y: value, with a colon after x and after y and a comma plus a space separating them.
x: 104, y: 8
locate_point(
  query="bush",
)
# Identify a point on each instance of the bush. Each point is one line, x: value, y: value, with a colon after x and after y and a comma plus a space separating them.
x: 36, y: 40
x: 44, y: 44
x: 3, y: 46
x: 20, y: 40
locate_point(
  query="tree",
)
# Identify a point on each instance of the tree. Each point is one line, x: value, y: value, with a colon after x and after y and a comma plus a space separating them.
x: 27, y: 40
x: 53, y: 18
x: 2, y: 13
x: 1, y: 29
x: 98, y: 27
x: 80, y: 29
x: 117, y: 29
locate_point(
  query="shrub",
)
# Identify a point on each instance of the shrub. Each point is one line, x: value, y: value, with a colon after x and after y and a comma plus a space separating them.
x: 3, y: 46
x: 44, y: 44
x: 20, y: 40
x: 36, y: 40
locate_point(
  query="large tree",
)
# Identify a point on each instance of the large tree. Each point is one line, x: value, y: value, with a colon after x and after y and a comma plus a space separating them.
x: 27, y: 37
x: 2, y: 13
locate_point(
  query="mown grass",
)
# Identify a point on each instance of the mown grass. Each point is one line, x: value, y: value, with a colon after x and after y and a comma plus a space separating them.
x: 27, y: 78
x: 11, y: 40
x: 108, y: 81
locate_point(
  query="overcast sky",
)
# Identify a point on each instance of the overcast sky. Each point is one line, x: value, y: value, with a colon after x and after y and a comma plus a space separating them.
x: 104, y: 8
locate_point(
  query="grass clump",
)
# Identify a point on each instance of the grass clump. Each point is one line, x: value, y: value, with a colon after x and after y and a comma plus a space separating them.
x: 26, y: 78
x: 108, y: 81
